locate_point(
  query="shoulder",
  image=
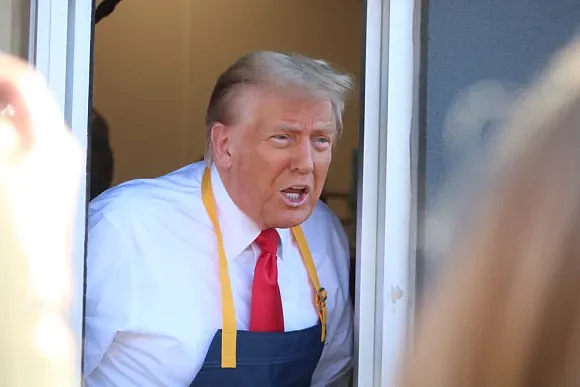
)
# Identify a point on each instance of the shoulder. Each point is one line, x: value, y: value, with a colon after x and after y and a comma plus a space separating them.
x: 140, y: 221
x: 325, y: 225
x: 141, y: 230
x: 330, y: 249
x: 327, y: 237
x: 138, y: 200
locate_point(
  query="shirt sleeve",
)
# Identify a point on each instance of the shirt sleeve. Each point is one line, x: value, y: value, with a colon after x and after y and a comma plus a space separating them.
x: 335, y: 365
x: 108, y: 298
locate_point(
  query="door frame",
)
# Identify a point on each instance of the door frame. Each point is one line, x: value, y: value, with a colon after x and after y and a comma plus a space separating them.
x: 386, y: 214
x: 61, y: 48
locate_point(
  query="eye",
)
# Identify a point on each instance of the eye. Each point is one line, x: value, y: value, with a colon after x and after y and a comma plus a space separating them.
x: 322, y: 141
x: 280, y: 139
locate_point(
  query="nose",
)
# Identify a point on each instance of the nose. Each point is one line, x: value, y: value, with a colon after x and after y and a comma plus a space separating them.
x: 302, y: 161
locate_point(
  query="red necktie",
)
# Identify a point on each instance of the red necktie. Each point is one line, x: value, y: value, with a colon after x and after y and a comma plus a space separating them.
x: 266, y: 310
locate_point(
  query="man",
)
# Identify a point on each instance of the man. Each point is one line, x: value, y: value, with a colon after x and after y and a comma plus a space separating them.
x: 232, y: 274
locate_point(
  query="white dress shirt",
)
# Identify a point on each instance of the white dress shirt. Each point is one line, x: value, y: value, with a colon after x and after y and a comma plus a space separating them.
x: 153, y: 301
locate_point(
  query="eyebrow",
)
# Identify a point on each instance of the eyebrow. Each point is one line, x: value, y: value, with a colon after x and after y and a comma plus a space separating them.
x: 326, y: 127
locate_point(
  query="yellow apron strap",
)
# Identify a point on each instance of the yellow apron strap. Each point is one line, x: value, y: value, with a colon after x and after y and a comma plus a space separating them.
x: 229, y: 330
x: 320, y: 297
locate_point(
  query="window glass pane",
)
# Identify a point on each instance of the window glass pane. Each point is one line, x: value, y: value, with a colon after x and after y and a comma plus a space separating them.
x: 15, y: 26
x: 477, y: 53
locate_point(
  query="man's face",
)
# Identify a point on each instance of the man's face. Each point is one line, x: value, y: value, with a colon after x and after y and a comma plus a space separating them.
x: 276, y: 157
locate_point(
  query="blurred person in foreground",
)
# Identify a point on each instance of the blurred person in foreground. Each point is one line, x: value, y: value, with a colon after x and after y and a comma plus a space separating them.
x: 506, y: 313
x: 39, y: 172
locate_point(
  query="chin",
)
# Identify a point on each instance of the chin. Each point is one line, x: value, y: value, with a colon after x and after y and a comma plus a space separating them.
x: 291, y: 218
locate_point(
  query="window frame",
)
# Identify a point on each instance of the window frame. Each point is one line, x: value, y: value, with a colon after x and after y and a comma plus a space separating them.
x: 61, y: 48
x: 387, y: 207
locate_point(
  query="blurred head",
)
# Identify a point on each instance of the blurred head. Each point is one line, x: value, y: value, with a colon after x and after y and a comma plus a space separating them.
x: 102, y: 161
x: 272, y: 122
x: 507, y: 310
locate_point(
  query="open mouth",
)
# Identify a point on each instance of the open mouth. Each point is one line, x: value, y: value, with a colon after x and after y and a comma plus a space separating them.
x: 295, y: 196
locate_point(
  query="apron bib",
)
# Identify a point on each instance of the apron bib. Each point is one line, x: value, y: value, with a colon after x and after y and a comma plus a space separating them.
x: 260, y: 359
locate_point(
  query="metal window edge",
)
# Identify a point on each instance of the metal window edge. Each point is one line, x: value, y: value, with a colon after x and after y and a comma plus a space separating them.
x: 60, y: 48
x: 368, y: 205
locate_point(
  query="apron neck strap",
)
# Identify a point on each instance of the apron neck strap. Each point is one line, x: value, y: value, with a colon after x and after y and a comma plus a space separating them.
x: 320, y: 292
x: 229, y: 330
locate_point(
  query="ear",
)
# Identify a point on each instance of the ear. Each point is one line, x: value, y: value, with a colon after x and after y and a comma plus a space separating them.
x: 221, y: 145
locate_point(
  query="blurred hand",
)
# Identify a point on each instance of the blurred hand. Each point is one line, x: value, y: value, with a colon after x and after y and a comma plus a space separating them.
x: 39, y: 175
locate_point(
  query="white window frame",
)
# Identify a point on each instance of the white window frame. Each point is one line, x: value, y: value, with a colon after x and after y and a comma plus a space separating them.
x: 385, y: 286
x: 60, y: 47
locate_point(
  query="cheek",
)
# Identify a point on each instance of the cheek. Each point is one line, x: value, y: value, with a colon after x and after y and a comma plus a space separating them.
x: 264, y: 174
x: 272, y: 162
x: 321, y: 166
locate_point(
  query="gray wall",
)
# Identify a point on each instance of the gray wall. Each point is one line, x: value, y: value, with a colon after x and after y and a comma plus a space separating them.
x: 472, y: 40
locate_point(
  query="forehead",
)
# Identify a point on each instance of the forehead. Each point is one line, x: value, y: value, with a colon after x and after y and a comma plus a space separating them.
x: 289, y: 108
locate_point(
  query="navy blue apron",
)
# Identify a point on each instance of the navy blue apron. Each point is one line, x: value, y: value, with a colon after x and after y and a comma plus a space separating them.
x: 264, y: 359
x: 260, y: 359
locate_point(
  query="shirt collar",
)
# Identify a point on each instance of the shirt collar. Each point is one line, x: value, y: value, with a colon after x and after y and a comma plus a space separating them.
x: 238, y: 230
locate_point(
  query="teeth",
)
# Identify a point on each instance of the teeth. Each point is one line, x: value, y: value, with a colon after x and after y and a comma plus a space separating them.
x: 292, y: 196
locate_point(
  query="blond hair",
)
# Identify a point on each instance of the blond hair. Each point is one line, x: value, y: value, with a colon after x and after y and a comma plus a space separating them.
x: 506, y: 313
x: 268, y: 68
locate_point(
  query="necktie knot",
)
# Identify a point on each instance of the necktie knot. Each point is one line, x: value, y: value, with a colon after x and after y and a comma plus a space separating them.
x: 268, y: 240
